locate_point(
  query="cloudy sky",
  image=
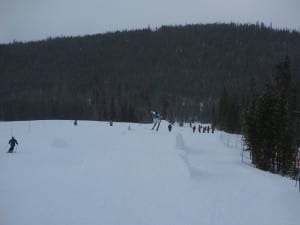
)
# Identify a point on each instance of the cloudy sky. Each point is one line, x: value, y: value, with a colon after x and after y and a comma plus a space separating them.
x: 24, y: 20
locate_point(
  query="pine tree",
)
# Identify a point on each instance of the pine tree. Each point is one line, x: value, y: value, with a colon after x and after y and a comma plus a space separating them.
x: 268, y: 123
x: 283, y: 112
x: 265, y: 127
x: 250, y: 128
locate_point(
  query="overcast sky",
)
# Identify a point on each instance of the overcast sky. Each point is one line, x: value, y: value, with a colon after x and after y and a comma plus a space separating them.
x: 24, y: 20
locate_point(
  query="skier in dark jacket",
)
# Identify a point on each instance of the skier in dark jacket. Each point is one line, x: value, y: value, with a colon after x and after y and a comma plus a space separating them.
x: 170, y: 127
x: 213, y: 129
x: 12, y: 143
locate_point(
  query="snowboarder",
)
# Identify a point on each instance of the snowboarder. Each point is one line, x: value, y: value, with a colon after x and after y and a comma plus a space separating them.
x: 12, y: 143
x: 170, y: 127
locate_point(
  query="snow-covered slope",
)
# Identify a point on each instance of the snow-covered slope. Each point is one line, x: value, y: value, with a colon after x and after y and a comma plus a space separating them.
x: 129, y: 174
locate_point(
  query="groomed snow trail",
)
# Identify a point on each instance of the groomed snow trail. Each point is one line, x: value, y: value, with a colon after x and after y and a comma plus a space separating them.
x: 96, y: 174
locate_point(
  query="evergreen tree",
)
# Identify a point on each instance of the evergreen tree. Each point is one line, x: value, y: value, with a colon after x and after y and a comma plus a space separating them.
x: 268, y: 126
x: 283, y: 112
x: 265, y: 127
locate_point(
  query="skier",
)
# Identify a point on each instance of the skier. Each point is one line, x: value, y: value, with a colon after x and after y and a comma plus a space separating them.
x: 170, y: 127
x: 212, y: 129
x: 75, y: 123
x: 156, y: 120
x: 199, y: 128
x: 155, y: 116
x: 12, y: 143
x: 194, y: 128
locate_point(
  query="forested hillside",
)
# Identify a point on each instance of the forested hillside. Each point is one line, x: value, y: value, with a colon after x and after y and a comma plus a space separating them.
x: 180, y: 71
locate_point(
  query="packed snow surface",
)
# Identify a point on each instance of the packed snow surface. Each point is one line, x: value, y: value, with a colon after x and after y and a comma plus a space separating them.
x: 128, y: 174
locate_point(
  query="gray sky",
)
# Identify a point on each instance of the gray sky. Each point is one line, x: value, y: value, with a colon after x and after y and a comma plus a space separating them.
x: 24, y: 20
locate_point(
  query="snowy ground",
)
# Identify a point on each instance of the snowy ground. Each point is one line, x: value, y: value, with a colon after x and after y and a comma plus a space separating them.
x: 96, y: 174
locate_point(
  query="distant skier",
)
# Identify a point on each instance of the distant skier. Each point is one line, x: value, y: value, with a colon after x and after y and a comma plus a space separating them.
x: 194, y: 128
x: 156, y: 120
x: 75, y: 123
x: 213, y: 129
x: 155, y: 116
x: 199, y: 128
x: 170, y: 127
x: 12, y: 143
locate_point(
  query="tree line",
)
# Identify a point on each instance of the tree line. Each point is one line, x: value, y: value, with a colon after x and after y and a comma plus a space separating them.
x: 183, y: 72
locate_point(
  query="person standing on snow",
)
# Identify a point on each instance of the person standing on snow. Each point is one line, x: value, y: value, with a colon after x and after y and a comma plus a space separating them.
x: 212, y: 129
x: 170, y: 127
x: 199, y: 128
x: 12, y: 143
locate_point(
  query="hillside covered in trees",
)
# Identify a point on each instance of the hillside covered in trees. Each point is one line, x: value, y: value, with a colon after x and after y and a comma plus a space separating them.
x: 181, y: 71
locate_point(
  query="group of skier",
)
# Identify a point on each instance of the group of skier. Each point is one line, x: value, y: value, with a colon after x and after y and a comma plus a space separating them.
x: 203, y: 129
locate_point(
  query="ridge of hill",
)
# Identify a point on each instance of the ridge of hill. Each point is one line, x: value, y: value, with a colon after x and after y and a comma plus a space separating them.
x: 135, y: 70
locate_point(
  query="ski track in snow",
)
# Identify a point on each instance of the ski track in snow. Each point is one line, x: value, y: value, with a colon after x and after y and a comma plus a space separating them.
x: 96, y: 174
